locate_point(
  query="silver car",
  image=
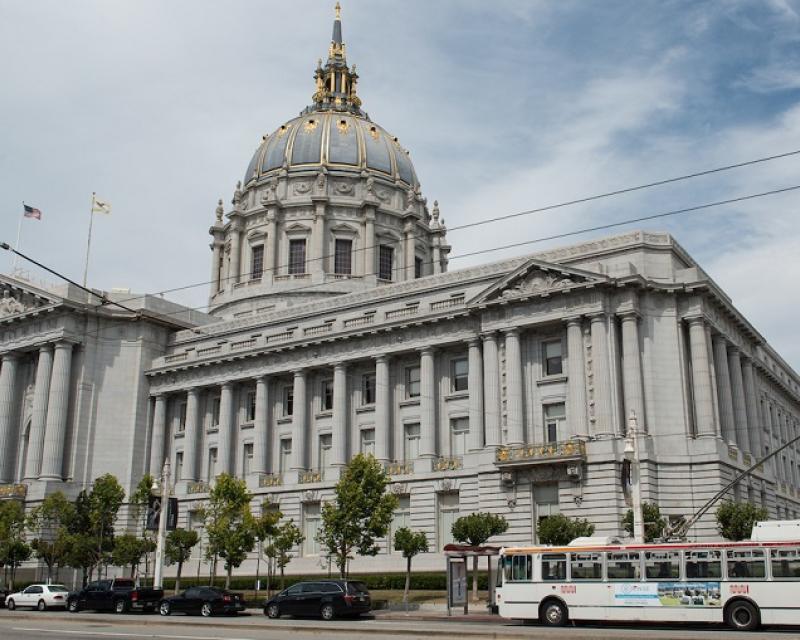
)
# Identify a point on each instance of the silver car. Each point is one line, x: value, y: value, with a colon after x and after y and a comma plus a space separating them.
x: 38, y: 596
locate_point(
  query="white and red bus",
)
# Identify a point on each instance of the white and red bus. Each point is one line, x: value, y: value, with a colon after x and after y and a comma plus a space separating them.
x: 744, y: 584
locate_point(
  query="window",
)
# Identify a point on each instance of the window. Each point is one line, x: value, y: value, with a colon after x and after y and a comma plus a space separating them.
x: 368, y: 389
x: 326, y: 395
x: 385, y: 261
x: 551, y: 354
x: 586, y: 566
x: 418, y: 267
x: 215, y: 411
x: 250, y: 407
x: 297, y: 257
x: 288, y: 401
x: 411, y: 442
x: 459, y: 431
x: 459, y: 374
x: 786, y: 563
x: 662, y: 565
x: 342, y: 257
x: 746, y: 563
x: 554, y: 567
x: 285, y: 460
x: 703, y: 564
x: 412, y: 382
x: 211, y: 471
x: 519, y: 568
x: 325, y: 444
x: 257, y: 262
x: 311, y: 519
x: 368, y: 442
x: 401, y: 517
x: 178, y: 465
x: 182, y: 416
x: 247, y: 459
x: 624, y: 566
x: 554, y: 419
x: 545, y: 498
x: 447, y: 506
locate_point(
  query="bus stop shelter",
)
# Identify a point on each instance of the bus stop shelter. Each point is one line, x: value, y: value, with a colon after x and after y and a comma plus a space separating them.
x: 457, y: 556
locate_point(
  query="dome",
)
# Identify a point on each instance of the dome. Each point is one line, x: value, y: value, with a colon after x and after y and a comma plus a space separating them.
x: 336, y: 140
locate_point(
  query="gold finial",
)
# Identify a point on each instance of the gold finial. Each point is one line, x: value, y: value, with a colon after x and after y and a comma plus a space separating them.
x: 338, y: 10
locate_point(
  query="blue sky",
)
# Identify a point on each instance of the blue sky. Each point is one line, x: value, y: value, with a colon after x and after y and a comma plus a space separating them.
x: 504, y: 106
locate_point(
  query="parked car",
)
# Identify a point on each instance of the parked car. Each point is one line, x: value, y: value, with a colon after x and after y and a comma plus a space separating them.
x: 326, y: 598
x: 3, y: 593
x: 207, y: 601
x: 38, y: 596
x: 119, y: 595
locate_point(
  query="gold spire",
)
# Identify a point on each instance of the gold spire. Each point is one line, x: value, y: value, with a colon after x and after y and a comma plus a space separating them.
x: 338, y: 10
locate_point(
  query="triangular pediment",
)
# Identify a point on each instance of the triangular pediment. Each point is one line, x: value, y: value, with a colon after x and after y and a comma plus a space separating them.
x: 537, y: 278
x: 18, y: 298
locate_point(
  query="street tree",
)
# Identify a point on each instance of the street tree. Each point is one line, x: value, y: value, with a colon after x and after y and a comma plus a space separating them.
x: 139, y: 500
x: 409, y: 543
x: 129, y: 551
x: 14, y: 550
x: 560, y: 530
x: 654, y: 522
x: 475, y: 530
x: 49, y: 523
x: 178, y: 550
x: 264, y: 528
x: 360, y: 512
x: 735, y: 520
x: 105, y: 500
x: 278, y: 549
x: 81, y: 544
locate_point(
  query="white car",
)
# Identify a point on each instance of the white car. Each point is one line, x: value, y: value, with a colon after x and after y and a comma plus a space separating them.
x: 38, y: 596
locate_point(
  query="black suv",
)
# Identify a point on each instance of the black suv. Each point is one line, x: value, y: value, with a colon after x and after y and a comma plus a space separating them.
x: 326, y: 598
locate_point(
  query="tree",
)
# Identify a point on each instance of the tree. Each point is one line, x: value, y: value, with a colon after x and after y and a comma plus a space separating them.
x: 278, y: 550
x: 735, y: 521
x: 475, y: 529
x: 561, y: 530
x: 81, y: 545
x: 409, y: 543
x: 654, y: 523
x: 105, y: 500
x: 178, y: 550
x: 229, y: 523
x: 13, y: 548
x: 360, y: 513
x: 49, y: 522
x: 129, y: 550
x: 139, y: 500
x: 264, y: 528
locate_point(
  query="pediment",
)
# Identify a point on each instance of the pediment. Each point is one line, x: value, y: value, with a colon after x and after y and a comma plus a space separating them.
x: 537, y: 278
x: 17, y: 298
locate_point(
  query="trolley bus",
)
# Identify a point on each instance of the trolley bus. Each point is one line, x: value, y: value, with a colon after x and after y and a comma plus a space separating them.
x: 744, y: 584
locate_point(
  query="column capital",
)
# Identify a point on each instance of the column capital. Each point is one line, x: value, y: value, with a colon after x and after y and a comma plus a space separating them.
x: 511, y: 331
x: 158, y: 394
x: 426, y: 350
x: 572, y: 321
x: 489, y: 336
x: 597, y: 316
x: 11, y: 355
x: 695, y: 320
x: 227, y: 385
x: 300, y: 373
x: 733, y: 350
x: 47, y: 347
x: 381, y: 359
x: 629, y: 315
x: 262, y: 378
x: 340, y: 366
x: 193, y: 391
x: 474, y: 341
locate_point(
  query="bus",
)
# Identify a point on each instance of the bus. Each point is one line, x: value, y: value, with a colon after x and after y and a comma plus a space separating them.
x: 743, y: 584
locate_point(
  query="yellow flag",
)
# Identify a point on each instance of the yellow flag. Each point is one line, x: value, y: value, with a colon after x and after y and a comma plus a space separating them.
x: 101, y: 206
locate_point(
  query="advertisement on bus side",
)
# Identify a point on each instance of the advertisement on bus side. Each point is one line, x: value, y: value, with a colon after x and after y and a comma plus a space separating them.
x: 667, y: 594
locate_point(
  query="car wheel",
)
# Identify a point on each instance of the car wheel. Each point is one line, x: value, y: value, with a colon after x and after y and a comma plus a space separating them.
x: 41, y: 605
x: 163, y: 609
x: 72, y: 606
x: 553, y: 614
x: 272, y: 611
x: 10, y: 604
x: 742, y: 616
x: 205, y: 610
x: 327, y: 612
x: 120, y: 606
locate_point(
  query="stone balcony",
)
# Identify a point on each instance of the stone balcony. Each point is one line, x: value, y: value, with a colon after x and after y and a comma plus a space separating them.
x: 197, y: 487
x: 451, y: 463
x: 270, y: 480
x: 309, y: 477
x: 399, y: 468
x: 538, y: 454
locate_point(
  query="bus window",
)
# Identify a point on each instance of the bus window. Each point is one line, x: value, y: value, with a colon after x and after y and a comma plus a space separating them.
x: 586, y: 566
x: 746, y: 563
x: 554, y: 567
x: 521, y: 568
x: 786, y: 563
x: 503, y: 570
x: 703, y: 564
x: 624, y: 565
x: 662, y: 565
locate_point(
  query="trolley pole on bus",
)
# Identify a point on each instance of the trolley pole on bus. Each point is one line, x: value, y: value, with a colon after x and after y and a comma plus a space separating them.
x: 632, y: 456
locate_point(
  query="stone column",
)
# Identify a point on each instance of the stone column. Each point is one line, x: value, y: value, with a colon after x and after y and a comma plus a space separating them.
x: 701, y: 379
x: 191, y: 435
x: 225, y: 433
x: 632, y: 389
x: 514, y: 411
x: 437, y: 256
x: 491, y: 391
x: 577, y: 423
x: 409, y: 246
x: 316, y: 262
x: 427, y: 404
x: 724, y: 390
x: 475, y: 384
x: 58, y: 405
x: 370, y: 265
x: 271, y: 245
x: 383, y: 408
x: 159, y: 436
x: 339, y: 435
x: 8, y: 413
x: 236, y: 255
x: 44, y: 369
x: 261, y: 426
x: 216, y: 248
x: 739, y: 409
x: 600, y: 370
x: 299, y: 422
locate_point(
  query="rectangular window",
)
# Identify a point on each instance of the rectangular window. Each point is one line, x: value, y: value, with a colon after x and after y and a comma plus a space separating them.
x: 459, y: 431
x: 662, y: 565
x: 385, y: 262
x: 703, y: 564
x: 412, y: 382
x: 250, y: 407
x: 182, y: 416
x: 325, y: 444
x: 401, y: 517
x: 216, y: 403
x: 624, y: 566
x: 551, y: 354
x: 178, y: 465
x: 257, y: 262
x: 368, y: 389
x: 746, y: 563
x: 288, y: 401
x: 326, y: 395
x: 586, y: 566
x: 520, y: 569
x: 368, y: 442
x: 342, y: 258
x: 545, y: 499
x: 411, y: 442
x: 447, y: 507
x: 554, y: 419
x: 297, y: 257
x: 285, y: 460
x: 459, y: 374
x: 418, y: 267
x: 785, y: 563
x: 247, y: 459
x: 211, y: 471
x: 554, y: 567
x: 311, y: 520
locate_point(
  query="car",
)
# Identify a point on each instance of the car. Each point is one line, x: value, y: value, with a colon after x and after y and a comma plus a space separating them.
x: 3, y: 594
x: 38, y: 596
x: 119, y: 595
x: 207, y: 601
x: 325, y: 598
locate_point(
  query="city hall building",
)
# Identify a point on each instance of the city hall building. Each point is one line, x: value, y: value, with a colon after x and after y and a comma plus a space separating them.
x: 335, y: 327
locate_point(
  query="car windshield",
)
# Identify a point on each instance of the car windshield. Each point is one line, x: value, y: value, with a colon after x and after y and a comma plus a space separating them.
x: 57, y: 588
x: 356, y: 587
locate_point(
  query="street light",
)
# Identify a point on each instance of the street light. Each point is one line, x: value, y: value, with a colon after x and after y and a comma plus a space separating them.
x: 162, y: 523
x: 632, y: 456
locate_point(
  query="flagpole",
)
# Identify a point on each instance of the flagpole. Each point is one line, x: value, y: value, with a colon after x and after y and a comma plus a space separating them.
x: 88, y: 241
x: 19, y: 233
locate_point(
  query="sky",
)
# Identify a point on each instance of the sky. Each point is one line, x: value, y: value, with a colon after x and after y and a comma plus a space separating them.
x: 504, y: 106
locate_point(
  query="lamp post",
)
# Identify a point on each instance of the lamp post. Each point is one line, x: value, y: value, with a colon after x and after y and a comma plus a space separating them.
x: 632, y: 456
x: 162, y: 524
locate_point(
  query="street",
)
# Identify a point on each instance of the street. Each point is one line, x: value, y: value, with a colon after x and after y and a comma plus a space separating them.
x: 92, y: 626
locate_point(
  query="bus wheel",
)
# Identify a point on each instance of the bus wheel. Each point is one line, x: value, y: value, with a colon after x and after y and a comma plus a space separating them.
x: 553, y: 613
x: 742, y: 615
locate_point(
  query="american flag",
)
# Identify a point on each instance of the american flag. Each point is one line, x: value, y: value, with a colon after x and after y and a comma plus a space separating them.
x: 32, y: 212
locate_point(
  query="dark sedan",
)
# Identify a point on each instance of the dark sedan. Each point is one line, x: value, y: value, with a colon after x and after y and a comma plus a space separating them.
x: 327, y: 599
x: 206, y: 601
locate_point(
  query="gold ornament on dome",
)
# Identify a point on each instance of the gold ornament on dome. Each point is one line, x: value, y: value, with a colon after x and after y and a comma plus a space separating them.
x: 343, y: 126
x: 310, y: 125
